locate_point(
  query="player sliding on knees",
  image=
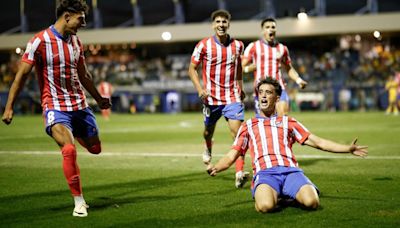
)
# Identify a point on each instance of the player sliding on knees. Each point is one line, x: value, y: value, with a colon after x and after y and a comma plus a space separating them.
x: 269, y: 138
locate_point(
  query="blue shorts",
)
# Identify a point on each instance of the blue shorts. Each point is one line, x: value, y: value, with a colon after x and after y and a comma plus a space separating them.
x: 82, y: 123
x: 286, y: 181
x: 212, y: 113
x: 284, y: 97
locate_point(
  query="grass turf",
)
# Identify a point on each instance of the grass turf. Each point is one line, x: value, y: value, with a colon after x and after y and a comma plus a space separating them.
x: 150, y: 174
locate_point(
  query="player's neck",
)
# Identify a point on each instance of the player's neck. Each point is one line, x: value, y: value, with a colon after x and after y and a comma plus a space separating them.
x: 60, y: 28
x: 224, y: 40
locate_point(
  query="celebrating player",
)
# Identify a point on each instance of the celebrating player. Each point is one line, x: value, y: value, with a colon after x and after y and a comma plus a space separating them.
x: 57, y: 55
x: 265, y: 57
x: 220, y: 56
x: 269, y: 138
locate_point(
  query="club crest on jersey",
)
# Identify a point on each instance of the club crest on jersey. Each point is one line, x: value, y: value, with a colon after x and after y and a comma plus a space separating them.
x: 233, y: 58
x: 76, y: 53
x: 277, y: 124
x: 279, y: 54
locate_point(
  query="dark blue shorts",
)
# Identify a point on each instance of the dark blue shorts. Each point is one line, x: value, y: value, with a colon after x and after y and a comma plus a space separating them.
x: 82, y: 123
x: 286, y: 181
x: 212, y: 113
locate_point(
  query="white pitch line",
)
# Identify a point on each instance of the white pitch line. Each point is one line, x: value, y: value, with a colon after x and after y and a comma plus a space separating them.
x: 134, y: 154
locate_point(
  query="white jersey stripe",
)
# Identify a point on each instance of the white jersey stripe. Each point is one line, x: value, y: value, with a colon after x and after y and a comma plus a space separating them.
x: 50, y: 70
x: 254, y: 142
x: 74, y: 72
x: 62, y: 74
x: 228, y: 74
x: 208, y: 69
x: 264, y: 143
x: 285, y: 141
x: 218, y: 73
x: 275, y: 141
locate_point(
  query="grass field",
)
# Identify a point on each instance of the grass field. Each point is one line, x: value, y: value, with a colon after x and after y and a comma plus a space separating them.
x: 151, y: 174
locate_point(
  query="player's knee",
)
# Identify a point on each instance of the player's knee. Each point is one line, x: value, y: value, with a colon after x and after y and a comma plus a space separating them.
x: 265, y: 207
x: 95, y: 149
x: 311, y: 203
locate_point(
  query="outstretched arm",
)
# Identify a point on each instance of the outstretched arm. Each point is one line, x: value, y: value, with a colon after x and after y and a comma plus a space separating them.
x: 334, y: 147
x: 86, y: 79
x: 224, y: 163
x: 16, y: 87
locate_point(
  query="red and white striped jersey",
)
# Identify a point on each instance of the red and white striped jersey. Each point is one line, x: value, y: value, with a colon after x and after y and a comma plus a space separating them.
x: 56, y: 59
x: 219, y: 69
x: 270, y: 141
x: 105, y: 89
x: 268, y: 60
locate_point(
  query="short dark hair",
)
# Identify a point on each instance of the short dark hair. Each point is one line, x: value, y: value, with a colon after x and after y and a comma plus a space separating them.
x: 271, y: 81
x: 269, y: 19
x: 74, y: 6
x: 220, y: 13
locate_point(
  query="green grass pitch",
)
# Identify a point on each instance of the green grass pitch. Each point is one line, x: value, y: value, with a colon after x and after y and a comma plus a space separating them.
x: 150, y: 174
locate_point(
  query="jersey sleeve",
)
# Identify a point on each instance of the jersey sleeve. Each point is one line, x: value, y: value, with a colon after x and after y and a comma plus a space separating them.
x: 300, y: 132
x: 198, y: 53
x: 249, y: 52
x: 241, y: 142
x: 29, y: 55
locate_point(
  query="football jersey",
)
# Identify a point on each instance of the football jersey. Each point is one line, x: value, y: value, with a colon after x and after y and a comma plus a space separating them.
x: 219, y: 69
x: 267, y: 59
x: 270, y: 141
x: 105, y: 89
x: 56, y: 59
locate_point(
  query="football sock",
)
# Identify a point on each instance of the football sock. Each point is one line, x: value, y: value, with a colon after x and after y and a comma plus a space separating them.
x: 71, y: 169
x: 209, y: 144
x: 239, y: 163
x: 79, y: 200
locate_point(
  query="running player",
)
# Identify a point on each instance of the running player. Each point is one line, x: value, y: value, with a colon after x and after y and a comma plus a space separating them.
x: 265, y: 58
x: 220, y: 56
x: 57, y: 55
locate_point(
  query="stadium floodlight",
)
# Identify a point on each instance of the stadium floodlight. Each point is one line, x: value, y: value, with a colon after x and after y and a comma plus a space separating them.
x: 377, y: 34
x: 18, y: 50
x: 166, y: 36
x: 302, y: 16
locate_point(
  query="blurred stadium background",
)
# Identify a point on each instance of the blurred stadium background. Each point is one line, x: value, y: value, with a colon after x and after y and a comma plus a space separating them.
x: 345, y: 49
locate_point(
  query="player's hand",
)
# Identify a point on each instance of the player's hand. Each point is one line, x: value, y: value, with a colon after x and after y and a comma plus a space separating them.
x: 302, y: 84
x: 7, y: 116
x: 358, y: 150
x: 203, y: 95
x: 104, y: 103
x: 211, y: 170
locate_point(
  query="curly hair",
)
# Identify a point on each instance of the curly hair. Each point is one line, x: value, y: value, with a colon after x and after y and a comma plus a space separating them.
x: 73, y: 6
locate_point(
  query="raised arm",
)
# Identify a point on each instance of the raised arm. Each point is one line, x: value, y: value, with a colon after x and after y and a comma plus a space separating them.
x: 295, y: 76
x: 16, y: 87
x: 224, y: 163
x: 334, y: 147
